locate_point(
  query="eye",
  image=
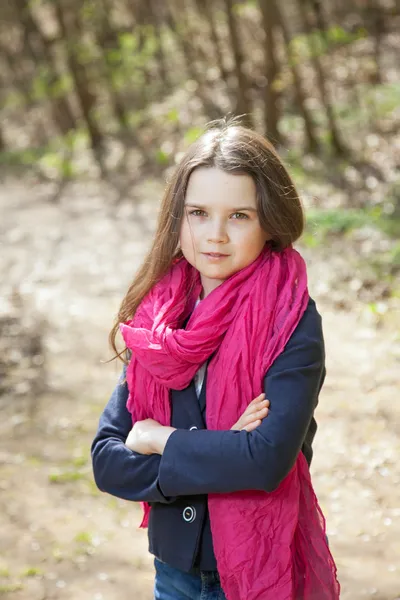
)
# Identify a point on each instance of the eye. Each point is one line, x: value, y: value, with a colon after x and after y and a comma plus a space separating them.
x: 196, y: 212
x: 240, y: 216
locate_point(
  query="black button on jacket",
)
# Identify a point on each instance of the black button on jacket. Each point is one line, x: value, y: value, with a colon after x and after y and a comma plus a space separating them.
x: 197, y: 461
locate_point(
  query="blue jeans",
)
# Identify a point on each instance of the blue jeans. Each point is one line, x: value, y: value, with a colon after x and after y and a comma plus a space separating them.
x: 173, y: 584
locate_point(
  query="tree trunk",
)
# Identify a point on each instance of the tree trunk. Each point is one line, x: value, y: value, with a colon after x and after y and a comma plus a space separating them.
x: 311, y: 136
x: 206, y: 7
x: 337, y: 143
x: 181, y: 29
x: 375, y: 12
x: 161, y: 58
x: 17, y: 76
x: 142, y: 17
x: 107, y: 41
x: 271, y: 105
x: 39, y: 48
x: 243, y: 105
x: 2, y: 142
x: 70, y: 31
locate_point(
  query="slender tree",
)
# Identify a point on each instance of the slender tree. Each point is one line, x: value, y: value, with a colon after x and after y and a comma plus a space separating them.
x: 68, y: 21
x: 311, y: 30
x: 205, y: 7
x: 17, y: 75
x: 39, y: 48
x: 376, y: 14
x: 311, y: 136
x: 243, y: 104
x: 272, y: 96
x: 161, y: 56
x: 108, y: 43
x: 180, y: 27
x: 2, y: 141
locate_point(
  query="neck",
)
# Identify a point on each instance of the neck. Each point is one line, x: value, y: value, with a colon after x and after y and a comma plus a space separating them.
x: 208, y: 286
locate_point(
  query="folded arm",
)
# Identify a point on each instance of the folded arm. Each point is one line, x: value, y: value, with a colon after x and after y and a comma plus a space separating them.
x: 117, y: 469
x: 204, y: 461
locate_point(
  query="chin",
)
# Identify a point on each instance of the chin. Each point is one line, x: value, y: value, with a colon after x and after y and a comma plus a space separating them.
x: 219, y: 275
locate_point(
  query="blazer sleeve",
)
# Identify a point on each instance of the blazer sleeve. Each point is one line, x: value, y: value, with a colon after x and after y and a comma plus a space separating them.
x: 118, y: 470
x: 205, y: 461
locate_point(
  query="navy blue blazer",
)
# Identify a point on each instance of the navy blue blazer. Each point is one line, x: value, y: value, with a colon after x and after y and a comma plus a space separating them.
x: 197, y: 461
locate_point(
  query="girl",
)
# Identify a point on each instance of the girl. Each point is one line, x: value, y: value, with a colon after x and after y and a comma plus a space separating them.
x: 217, y: 319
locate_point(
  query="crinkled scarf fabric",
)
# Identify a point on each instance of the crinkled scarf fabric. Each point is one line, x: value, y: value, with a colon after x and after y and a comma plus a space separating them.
x: 268, y: 546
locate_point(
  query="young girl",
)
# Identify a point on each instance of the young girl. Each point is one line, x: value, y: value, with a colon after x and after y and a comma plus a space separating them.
x: 217, y: 320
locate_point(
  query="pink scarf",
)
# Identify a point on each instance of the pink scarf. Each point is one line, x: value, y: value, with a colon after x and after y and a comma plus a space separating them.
x: 268, y: 546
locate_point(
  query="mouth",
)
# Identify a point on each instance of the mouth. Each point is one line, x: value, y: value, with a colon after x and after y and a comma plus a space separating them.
x: 215, y: 255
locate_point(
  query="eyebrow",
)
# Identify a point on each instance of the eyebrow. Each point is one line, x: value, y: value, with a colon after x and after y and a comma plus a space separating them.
x: 250, y: 208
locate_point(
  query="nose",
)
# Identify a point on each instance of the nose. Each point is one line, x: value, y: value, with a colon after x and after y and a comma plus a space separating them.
x: 217, y: 233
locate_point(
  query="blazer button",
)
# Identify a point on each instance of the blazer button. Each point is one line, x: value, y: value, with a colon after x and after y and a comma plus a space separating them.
x: 189, y: 514
x: 194, y: 427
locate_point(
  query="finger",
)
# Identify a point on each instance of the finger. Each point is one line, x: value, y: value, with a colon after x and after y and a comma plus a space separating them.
x: 251, y: 426
x: 260, y: 405
x: 257, y: 398
x: 256, y: 405
x: 259, y: 414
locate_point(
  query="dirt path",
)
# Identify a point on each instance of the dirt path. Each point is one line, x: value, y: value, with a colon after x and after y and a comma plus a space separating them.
x: 61, y: 538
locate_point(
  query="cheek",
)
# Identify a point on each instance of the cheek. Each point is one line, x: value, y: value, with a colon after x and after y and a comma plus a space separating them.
x: 253, y: 242
x: 186, y: 238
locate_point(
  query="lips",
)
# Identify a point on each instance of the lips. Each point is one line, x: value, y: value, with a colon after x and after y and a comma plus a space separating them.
x: 215, y: 254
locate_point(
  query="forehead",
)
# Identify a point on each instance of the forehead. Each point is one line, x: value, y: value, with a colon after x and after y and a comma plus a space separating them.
x: 216, y: 186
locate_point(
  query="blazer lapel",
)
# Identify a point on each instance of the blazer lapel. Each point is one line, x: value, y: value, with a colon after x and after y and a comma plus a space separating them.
x: 186, y: 411
x: 202, y: 397
x: 186, y: 406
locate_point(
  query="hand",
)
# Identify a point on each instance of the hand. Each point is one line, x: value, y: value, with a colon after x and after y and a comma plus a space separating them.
x: 252, y: 417
x: 148, y: 437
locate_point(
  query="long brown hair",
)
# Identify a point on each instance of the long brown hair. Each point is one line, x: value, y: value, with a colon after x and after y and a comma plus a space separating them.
x: 232, y: 148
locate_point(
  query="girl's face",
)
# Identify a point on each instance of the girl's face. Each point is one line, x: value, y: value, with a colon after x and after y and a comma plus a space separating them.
x: 220, y: 232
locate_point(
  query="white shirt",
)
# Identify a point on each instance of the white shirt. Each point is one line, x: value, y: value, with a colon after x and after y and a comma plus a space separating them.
x: 199, y: 376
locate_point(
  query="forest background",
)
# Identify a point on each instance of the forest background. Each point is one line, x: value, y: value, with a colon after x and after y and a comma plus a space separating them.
x: 98, y: 99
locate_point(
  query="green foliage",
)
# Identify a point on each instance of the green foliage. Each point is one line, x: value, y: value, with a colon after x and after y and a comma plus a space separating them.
x: 13, y: 100
x: 80, y: 461
x: 56, y: 159
x: 137, y: 48
x: 7, y: 588
x: 239, y: 9
x: 290, y: 122
x: 31, y: 572
x: 395, y: 254
x: 337, y: 221
x: 162, y: 158
x: 89, y: 9
x: 322, y: 223
x: 390, y: 225
x: 58, y: 163
x: 46, y: 85
x: 26, y: 157
x: 66, y: 476
x: 84, y: 537
x: 84, y: 51
x: 383, y: 99
x: 137, y: 118
x: 193, y: 134
x: 131, y: 58
x: 57, y: 554
x: 173, y: 115
x: 318, y: 43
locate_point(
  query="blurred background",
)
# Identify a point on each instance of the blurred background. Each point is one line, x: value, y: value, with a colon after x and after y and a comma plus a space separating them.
x: 98, y: 99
